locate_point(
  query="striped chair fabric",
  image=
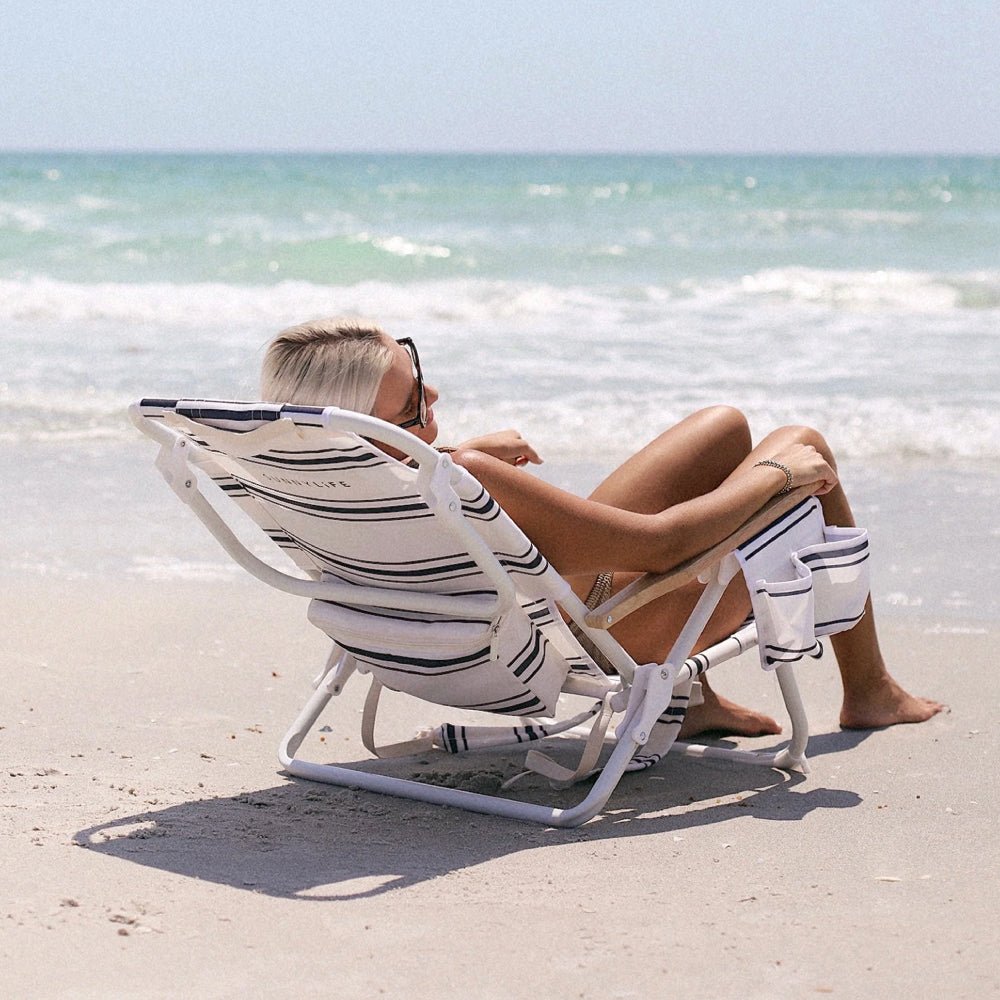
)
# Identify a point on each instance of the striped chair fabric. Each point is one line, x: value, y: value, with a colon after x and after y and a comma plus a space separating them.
x: 343, y: 510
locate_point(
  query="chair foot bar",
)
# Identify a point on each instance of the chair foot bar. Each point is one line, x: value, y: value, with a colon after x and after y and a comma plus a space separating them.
x: 350, y: 777
x: 405, y: 788
x: 491, y: 805
x: 781, y: 759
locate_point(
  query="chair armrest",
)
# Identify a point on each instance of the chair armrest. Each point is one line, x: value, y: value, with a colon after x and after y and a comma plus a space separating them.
x: 653, y: 585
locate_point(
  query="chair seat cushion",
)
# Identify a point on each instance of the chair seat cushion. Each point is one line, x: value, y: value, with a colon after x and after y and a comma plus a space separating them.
x: 513, y: 666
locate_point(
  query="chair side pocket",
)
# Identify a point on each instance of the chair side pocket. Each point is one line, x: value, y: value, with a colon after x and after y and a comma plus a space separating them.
x: 826, y: 595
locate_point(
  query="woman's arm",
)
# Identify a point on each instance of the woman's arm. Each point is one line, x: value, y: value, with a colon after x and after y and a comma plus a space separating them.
x: 580, y: 536
x: 507, y: 445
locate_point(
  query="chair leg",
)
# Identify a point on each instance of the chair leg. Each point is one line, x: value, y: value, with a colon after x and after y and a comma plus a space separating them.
x: 305, y: 720
x: 793, y: 757
x: 633, y: 732
x: 350, y: 777
x: 477, y: 802
x: 790, y: 758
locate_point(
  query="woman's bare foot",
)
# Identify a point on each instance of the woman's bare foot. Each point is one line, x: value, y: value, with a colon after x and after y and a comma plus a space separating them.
x: 885, y: 703
x: 725, y: 717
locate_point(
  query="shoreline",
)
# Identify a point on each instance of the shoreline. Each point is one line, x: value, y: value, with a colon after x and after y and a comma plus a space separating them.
x: 110, y: 516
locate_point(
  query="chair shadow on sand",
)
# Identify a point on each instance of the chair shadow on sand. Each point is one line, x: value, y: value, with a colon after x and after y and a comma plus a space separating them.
x: 298, y: 840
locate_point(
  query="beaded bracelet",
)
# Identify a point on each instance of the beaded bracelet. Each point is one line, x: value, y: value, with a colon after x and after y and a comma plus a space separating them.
x: 787, y: 488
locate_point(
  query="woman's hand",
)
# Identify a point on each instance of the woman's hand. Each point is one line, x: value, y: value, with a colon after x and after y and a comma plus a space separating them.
x: 808, y: 467
x: 507, y: 445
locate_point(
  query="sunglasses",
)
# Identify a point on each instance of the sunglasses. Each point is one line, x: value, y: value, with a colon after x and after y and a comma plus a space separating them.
x: 421, y: 417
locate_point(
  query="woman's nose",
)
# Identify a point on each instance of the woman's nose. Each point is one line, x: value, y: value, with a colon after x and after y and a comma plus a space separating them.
x: 431, y: 394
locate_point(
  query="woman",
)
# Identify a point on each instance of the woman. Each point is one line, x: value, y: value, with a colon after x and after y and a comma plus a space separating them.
x: 686, y: 490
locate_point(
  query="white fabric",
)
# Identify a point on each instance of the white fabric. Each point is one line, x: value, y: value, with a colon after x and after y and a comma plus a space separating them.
x: 805, y: 580
x: 346, y: 512
x: 667, y: 727
x: 509, y: 666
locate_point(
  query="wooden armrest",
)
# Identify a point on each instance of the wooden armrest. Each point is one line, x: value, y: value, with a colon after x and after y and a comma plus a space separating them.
x: 652, y: 585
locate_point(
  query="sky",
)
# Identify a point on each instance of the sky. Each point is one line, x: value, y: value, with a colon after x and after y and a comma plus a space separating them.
x: 675, y: 76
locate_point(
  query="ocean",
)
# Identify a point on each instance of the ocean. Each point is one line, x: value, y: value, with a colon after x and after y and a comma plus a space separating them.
x: 589, y: 301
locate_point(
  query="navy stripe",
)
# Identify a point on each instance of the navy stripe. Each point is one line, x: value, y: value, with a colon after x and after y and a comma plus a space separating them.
x: 837, y: 553
x: 454, y: 738
x: 430, y: 665
x: 481, y: 505
x: 431, y: 569
x: 395, y: 614
x: 377, y: 663
x: 359, y: 460
x: 329, y: 459
x: 431, y: 574
x: 204, y: 413
x: 530, y: 734
x: 841, y: 621
x: 832, y: 566
x: 244, y: 412
x: 786, y: 527
x: 531, y: 563
x: 792, y: 649
x: 379, y: 510
x: 535, y: 656
x: 539, y: 613
x: 788, y: 593
x: 520, y: 708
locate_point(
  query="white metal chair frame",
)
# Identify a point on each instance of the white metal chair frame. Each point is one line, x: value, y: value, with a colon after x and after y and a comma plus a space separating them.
x: 644, y: 691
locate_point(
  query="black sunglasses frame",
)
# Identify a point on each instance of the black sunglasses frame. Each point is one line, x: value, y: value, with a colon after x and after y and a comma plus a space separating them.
x: 421, y: 418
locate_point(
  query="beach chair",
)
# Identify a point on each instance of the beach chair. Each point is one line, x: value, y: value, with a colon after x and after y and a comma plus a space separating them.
x: 425, y: 584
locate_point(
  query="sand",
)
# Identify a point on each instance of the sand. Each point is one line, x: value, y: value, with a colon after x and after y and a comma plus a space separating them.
x: 152, y: 847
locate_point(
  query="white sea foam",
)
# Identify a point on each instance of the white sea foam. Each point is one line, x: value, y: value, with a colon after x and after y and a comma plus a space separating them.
x: 546, y: 190
x: 94, y: 203
x: 204, y: 304
x: 884, y: 289
x: 399, y: 246
x: 844, y: 351
x: 25, y: 218
x: 821, y: 220
x: 614, y: 426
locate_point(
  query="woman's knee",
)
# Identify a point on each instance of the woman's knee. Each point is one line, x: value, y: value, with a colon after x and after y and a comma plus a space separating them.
x: 804, y: 434
x: 718, y: 439
x: 724, y: 423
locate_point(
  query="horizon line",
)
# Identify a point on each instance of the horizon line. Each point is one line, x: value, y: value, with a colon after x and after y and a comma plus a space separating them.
x: 375, y: 151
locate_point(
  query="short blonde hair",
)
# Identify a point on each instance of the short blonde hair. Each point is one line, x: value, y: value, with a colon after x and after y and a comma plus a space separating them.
x: 327, y: 362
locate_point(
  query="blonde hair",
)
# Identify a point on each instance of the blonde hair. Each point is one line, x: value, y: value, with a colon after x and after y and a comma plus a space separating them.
x: 327, y: 362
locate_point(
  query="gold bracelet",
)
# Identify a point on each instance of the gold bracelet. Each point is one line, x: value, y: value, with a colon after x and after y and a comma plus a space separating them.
x: 787, y: 488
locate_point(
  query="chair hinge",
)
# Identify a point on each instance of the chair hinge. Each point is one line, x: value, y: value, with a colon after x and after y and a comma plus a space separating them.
x: 175, y: 468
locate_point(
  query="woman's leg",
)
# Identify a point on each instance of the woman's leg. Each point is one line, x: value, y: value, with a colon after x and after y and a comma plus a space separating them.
x: 693, y: 458
x: 690, y: 459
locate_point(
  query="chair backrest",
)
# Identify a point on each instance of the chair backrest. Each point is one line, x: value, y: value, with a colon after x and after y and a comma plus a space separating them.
x: 346, y: 511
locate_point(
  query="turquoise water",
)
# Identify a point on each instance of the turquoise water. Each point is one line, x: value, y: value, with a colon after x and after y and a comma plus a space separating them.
x: 587, y: 300
x: 338, y: 220
x: 852, y: 292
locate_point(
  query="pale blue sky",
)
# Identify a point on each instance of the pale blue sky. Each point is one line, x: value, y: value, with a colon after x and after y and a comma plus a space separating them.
x: 862, y: 76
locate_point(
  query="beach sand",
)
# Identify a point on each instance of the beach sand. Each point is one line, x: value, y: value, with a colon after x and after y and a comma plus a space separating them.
x: 152, y: 848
